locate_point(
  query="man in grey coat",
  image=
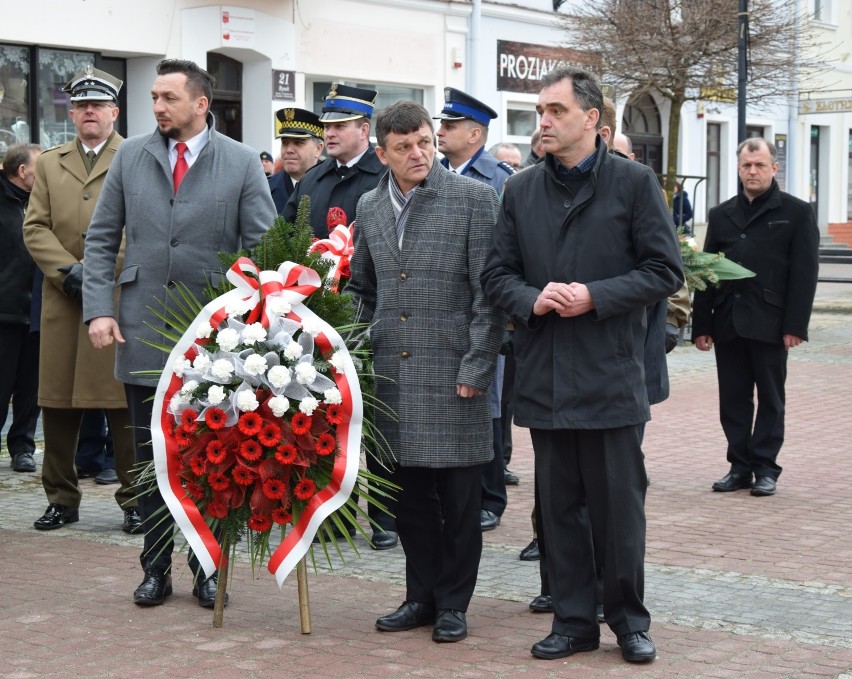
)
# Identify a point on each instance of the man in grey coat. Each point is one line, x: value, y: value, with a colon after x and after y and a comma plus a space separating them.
x: 420, y: 243
x: 583, y: 245
x: 181, y: 195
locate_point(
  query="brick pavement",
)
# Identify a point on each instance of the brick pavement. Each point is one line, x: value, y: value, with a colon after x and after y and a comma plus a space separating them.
x: 738, y: 586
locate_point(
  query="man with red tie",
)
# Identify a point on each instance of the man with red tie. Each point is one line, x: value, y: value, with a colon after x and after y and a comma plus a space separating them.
x: 182, y: 195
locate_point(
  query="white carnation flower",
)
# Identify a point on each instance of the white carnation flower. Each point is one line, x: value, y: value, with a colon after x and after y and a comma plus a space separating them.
x: 339, y: 360
x: 255, y: 365
x: 176, y: 402
x: 278, y: 305
x: 308, y: 405
x: 254, y: 333
x: 201, y: 362
x: 216, y: 394
x: 182, y: 365
x: 188, y: 387
x: 228, y: 339
x: 247, y: 401
x: 279, y: 376
x: 305, y: 373
x: 293, y: 350
x: 279, y: 405
x: 203, y: 331
x: 222, y: 369
x: 238, y: 307
x: 311, y: 326
x: 332, y: 396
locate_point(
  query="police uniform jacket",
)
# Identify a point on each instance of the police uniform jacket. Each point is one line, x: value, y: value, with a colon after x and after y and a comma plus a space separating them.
x: 327, y: 189
x: 431, y: 325
x: 614, y: 236
x: 72, y: 373
x: 780, y: 243
x: 281, y: 188
x: 223, y: 204
x: 487, y: 169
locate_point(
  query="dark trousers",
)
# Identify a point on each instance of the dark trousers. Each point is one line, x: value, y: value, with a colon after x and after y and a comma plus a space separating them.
x: 438, y: 523
x: 94, y: 449
x: 591, y: 487
x: 507, y: 406
x: 753, y: 442
x: 157, y: 521
x: 59, y: 475
x: 494, y: 497
x: 19, y: 384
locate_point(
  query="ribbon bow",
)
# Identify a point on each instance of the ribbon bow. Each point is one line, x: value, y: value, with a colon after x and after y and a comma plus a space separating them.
x: 338, y: 247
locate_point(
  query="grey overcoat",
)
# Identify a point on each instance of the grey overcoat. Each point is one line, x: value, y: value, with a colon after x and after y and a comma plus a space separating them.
x: 432, y: 327
x: 222, y: 205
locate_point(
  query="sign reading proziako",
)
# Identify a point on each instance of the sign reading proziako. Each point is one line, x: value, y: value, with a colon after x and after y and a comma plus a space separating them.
x: 520, y: 66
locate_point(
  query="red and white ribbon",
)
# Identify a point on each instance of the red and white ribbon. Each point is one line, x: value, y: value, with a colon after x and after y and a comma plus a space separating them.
x: 338, y: 248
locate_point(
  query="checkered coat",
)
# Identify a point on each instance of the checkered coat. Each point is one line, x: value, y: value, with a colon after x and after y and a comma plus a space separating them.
x: 431, y: 325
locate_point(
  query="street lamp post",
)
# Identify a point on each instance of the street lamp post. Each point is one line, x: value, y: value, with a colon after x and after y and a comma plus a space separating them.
x: 742, y: 66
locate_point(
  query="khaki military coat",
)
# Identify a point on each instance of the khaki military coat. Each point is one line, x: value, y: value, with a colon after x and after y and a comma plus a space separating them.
x: 72, y: 373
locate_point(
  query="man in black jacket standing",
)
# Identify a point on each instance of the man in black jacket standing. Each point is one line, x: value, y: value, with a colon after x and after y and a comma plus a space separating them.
x: 754, y: 322
x: 583, y: 245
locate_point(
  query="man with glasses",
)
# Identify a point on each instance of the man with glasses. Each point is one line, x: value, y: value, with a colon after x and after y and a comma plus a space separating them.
x: 73, y: 376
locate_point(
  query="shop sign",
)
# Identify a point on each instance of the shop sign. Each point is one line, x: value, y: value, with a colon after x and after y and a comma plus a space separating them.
x: 825, y: 106
x: 521, y: 66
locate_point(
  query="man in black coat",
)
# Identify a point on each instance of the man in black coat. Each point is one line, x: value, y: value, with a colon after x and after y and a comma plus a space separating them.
x: 351, y: 168
x: 300, y: 132
x: 754, y: 322
x: 583, y: 245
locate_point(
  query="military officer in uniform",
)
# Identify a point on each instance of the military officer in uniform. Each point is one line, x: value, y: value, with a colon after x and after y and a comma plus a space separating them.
x: 461, y: 138
x: 300, y: 132
x: 73, y: 376
x: 351, y: 168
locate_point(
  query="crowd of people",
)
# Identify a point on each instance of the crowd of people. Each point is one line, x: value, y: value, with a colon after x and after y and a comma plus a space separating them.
x: 541, y: 292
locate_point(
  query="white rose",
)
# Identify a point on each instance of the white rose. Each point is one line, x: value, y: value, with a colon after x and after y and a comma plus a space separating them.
x: 255, y: 365
x: 228, y: 339
x: 203, y: 331
x: 293, y: 350
x: 201, y: 362
x: 188, y: 387
x: 247, y: 401
x: 279, y: 376
x: 222, y: 369
x: 305, y: 373
x: 254, y: 333
x: 308, y: 405
x: 339, y: 360
x: 311, y: 326
x: 332, y: 396
x: 216, y: 394
x: 182, y: 365
x: 279, y: 405
x: 278, y: 305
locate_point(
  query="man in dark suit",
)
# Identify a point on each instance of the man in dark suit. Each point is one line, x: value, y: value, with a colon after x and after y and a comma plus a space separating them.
x: 420, y: 243
x: 351, y: 168
x: 754, y: 322
x: 301, y: 134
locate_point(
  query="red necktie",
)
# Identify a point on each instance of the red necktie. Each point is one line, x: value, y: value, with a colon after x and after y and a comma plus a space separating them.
x: 181, y: 166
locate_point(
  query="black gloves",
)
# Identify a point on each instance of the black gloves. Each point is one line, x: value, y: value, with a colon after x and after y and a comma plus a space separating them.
x: 672, y: 337
x: 73, y: 283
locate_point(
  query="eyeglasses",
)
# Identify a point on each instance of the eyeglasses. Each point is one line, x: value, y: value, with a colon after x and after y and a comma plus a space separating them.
x: 99, y: 105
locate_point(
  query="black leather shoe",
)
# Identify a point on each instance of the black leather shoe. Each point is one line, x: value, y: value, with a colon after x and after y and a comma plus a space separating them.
x: 206, y: 592
x: 106, y: 477
x: 154, y: 589
x: 408, y: 616
x: 511, y: 478
x: 387, y: 539
x: 488, y: 520
x: 449, y: 626
x: 23, y: 462
x: 764, y: 485
x: 558, y: 646
x: 637, y: 647
x: 56, y: 516
x: 531, y: 552
x: 732, y: 482
x: 543, y: 603
x: 132, y: 521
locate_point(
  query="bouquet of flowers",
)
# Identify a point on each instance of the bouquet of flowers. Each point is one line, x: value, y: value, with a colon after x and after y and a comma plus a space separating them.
x: 337, y: 248
x: 703, y: 268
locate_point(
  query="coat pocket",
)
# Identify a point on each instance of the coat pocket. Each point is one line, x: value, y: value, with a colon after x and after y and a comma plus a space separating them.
x: 128, y: 275
x: 773, y: 298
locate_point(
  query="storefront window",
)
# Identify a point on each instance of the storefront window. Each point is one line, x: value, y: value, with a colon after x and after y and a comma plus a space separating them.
x: 14, y: 97
x: 55, y: 69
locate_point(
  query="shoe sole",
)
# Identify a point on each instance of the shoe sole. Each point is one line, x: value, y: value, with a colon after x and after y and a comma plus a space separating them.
x: 542, y: 609
x: 729, y: 490
x: 441, y: 639
x: 132, y: 531
x: 530, y: 558
x: 388, y: 628
x: 640, y: 658
x: 556, y: 656
x: 24, y: 469
x: 762, y: 493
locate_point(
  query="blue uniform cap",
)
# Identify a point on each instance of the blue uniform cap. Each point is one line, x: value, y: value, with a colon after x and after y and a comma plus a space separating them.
x: 344, y: 102
x: 458, y: 106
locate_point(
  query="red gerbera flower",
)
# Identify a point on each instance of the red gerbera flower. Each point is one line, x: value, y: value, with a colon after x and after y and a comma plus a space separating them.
x: 259, y: 523
x: 195, y: 491
x: 286, y: 453
x: 218, y: 510
x: 215, y: 418
x: 300, y: 424
x: 269, y: 434
x: 334, y: 413
x: 250, y: 423
x: 188, y: 420
x: 305, y: 489
x: 274, y: 489
x: 198, y: 464
x: 281, y: 515
x: 182, y: 437
x: 243, y: 475
x: 218, y: 480
x: 251, y: 450
x: 326, y: 444
x: 216, y: 452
